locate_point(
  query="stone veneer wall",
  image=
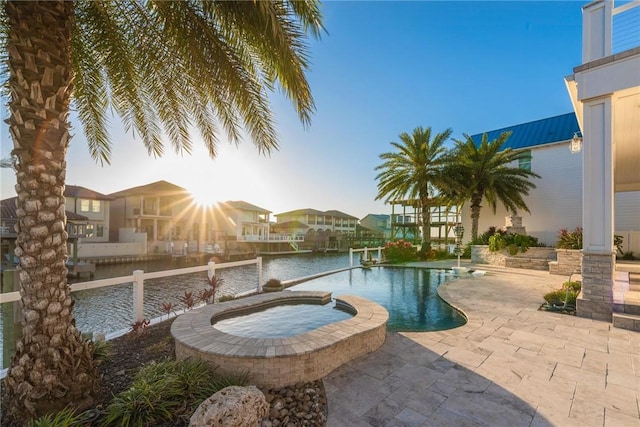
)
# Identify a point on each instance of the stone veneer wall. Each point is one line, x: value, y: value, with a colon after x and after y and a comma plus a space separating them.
x: 596, y: 299
x: 277, y: 362
x: 568, y: 261
x: 536, y: 258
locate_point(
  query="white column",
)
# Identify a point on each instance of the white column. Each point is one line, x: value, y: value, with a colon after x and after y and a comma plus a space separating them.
x: 598, y: 262
x: 597, y: 177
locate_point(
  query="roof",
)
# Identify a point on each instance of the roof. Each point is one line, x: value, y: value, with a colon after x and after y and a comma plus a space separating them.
x: 339, y: 214
x: 242, y: 206
x: 539, y: 132
x: 307, y: 211
x: 290, y: 225
x: 310, y: 211
x: 155, y: 188
x: 8, y: 211
x: 84, y: 193
x: 380, y: 217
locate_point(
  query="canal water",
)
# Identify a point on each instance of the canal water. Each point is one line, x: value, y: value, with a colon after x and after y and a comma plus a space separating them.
x: 110, y: 309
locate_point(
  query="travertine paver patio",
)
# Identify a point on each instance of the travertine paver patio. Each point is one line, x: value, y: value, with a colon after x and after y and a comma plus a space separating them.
x: 510, y: 365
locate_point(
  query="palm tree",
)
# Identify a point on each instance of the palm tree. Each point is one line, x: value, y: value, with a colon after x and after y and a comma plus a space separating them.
x: 165, y: 68
x: 413, y: 171
x: 483, y: 172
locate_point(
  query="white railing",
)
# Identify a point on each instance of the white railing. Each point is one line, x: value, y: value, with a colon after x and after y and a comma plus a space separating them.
x: 366, y: 254
x: 607, y: 29
x: 138, y: 277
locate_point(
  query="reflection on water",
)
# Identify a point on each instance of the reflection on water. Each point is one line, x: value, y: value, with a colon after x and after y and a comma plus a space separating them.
x: 409, y: 294
x: 110, y: 309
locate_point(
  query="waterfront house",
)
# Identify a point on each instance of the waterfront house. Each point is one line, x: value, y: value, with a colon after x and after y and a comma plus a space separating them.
x: 162, y: 210
x: 588, y: 159
x: 327, y: 230
x: 376, y: 226
x: 556, y: 202
x: 92, y: 205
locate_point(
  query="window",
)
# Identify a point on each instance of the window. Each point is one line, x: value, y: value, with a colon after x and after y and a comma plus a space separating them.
x: 84, y: 205
x: 524, y: 160
x: 95, y: 206
x: 99, y: 230
x: 90, y: 231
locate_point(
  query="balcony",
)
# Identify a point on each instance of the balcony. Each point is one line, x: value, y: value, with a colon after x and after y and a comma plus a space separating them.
x: 609, y: 30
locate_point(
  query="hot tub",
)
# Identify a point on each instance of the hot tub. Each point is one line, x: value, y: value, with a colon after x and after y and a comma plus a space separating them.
x: 277, y: 362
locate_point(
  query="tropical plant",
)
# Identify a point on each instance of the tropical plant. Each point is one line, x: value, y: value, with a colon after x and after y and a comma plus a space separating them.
x: 188, y: 300
x: 413, y: 172
x: 64, y: 418
x: 139, y: 327
x: 513, y: 242
x: 165, y: 67
x: 400, y: 251
x: 569, y: 239
x: 167, y: 307
x: 165, y: 391
x: 477, y: 172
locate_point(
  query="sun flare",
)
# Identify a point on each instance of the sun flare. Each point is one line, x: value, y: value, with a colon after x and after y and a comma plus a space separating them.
x: 203, y: 195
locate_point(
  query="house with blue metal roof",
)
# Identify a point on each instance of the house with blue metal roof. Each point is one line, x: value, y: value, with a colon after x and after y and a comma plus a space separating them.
x: 539, y: 132
x: 556, y: 202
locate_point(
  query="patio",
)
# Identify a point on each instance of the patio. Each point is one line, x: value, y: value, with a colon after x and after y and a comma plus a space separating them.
x: 510, y: 365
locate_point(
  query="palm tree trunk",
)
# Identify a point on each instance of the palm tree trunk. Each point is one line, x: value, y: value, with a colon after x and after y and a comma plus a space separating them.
x: 53, y: 366
x: 475, y: 214
x: 426, y: 223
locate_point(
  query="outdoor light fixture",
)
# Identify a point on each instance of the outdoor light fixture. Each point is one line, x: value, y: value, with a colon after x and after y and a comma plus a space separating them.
x: 576, y: 143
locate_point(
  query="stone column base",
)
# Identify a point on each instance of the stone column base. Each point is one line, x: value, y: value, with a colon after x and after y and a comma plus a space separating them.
x: 596, y: 299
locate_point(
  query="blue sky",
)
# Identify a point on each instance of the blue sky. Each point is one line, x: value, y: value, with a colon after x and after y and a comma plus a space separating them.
x: 383, y: 68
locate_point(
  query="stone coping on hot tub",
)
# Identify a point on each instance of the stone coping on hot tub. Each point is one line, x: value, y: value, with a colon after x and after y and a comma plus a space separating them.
x: 277, y: 362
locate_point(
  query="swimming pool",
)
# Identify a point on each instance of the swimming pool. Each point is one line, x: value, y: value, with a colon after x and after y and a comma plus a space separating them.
x: 284, y: 320
x: 409, y: 295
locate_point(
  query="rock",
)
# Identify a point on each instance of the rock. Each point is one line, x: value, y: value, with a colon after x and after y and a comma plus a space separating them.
x: 232, y: 406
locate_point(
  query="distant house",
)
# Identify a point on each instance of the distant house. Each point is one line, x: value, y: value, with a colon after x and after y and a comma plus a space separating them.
x: 162, y: 210
x: 243, y: 221
x: 377, y: 225
x: 557, y: 200
x: 92, y: 205
x: 326, y: 229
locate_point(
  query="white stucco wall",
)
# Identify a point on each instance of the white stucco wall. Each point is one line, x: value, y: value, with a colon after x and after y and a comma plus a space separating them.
x: 556, y: 202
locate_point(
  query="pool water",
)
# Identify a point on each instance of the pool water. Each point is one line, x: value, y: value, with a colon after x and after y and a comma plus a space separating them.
x: 281, y: 321
x: 409, y: 295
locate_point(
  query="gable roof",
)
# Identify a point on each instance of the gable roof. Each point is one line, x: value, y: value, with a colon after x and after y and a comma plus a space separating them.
x: 289, y: 225
x: 339, y: 214
x: 78, y: 192
x: 310, y: 211
x: 8, y: 211
x: 539, y: 132
x: 158, y: 187
x: 242, y: 206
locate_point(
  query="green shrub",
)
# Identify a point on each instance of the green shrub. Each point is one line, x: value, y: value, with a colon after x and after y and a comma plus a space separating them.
x: 101, y: 351
x: 166, y: 391
x: 400, y: 251
x: 64, y: 418
x: 569, y: 239
x: 574, y: 285
x: 513, y: 242
x: 557, y: 297
x: 628, y: 256
x: 224, y: 298
x: 617, y: 242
